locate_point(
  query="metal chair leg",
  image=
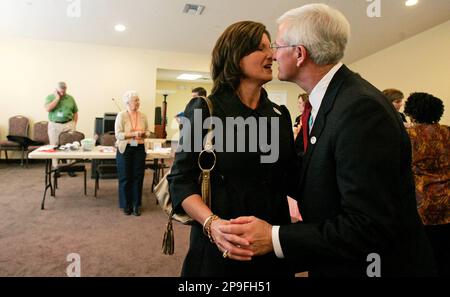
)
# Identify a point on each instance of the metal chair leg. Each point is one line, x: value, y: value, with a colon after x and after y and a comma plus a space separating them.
x: 55, y: 181
x: 52, y: 187
x: 97, y: 186
x: 153, y: 181
x: 48, y: 181
x: 21, y: 160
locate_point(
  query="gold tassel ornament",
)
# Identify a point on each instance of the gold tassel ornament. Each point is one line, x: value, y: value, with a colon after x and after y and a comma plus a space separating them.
x: 206, y: 187
x: 168, y: 245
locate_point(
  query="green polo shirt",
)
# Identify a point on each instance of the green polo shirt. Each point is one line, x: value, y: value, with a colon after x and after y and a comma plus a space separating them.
x: 65, y: 109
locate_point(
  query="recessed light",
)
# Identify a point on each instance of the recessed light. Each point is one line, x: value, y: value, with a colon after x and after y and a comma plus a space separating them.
x: 411, y: 2
x: 120, y: 28
x: 187, y: 76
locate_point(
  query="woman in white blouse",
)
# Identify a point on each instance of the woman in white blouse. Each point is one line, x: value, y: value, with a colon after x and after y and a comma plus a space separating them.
x: 131, y: 127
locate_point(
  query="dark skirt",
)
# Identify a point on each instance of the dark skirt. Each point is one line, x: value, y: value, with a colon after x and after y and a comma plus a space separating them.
x: 205, y: 260
x: 439, y: 237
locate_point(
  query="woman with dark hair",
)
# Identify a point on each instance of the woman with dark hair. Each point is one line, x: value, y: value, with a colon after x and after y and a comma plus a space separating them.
x: 396, y: 97
x: 431, y: 167
x: 241, y: 183
x: 302, y: 99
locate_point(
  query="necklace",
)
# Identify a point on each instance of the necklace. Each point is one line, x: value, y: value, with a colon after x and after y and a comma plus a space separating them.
x: 133, y: 127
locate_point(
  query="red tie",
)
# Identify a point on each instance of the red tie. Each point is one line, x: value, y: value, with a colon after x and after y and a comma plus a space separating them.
x: 305, y: 121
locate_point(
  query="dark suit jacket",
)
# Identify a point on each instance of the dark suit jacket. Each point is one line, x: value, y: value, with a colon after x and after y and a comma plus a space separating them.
x: 356, y: 190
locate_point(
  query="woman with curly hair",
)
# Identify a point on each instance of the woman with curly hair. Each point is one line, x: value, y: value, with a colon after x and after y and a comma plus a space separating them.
x: 431, y: 167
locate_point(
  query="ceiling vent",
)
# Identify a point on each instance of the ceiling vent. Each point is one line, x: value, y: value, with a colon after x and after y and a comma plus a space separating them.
x: 193, y: 9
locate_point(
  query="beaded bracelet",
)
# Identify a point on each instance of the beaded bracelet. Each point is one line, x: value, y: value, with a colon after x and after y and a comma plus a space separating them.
x: 206, y: 221
x: 207, y: 226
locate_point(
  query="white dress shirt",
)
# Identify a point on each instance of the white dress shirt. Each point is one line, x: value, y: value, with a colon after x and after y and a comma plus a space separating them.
x: 315, y: 98
x: 317, y: 94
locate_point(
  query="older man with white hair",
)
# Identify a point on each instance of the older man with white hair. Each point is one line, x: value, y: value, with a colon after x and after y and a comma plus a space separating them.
x: 356, y: 189
x: 131, y: 128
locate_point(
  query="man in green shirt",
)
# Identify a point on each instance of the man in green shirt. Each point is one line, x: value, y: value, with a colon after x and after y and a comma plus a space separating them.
x: 62, y: 114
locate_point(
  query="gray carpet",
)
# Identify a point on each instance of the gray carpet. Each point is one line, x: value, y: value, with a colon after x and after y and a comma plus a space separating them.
x: 36, y: 243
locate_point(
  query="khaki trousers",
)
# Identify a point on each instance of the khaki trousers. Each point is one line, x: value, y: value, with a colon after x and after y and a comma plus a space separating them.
x: 54, y: 129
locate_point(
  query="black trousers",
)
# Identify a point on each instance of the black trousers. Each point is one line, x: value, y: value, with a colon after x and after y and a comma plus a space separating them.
x: 131, y: 169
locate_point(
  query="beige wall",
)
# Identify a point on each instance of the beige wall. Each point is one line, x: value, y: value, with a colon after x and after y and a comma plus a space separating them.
x: 30, y: 69
x: 178, y: 101
x: 420, y: 63
x: 292, y: 93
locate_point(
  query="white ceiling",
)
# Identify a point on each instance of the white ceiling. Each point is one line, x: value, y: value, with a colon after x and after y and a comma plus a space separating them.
x: 161, y: 25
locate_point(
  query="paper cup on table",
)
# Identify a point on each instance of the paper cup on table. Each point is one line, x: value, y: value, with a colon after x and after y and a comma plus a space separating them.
x: 148, y: 144
x: 156, y: 146
x: 87, y: 144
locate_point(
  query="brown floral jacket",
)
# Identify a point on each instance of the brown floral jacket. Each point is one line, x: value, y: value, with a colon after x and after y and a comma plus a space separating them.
x: 431, y: 168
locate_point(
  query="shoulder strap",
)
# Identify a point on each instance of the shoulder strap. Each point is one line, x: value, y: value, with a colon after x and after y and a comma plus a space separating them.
x: 209, y: 135
x: 210, y: 105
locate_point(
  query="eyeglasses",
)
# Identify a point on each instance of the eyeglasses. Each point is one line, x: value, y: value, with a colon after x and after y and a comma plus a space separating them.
x: 275, y: 46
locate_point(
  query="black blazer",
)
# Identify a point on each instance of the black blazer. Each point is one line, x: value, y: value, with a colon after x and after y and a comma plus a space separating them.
x: 356, y: 190
x: 240, y: 184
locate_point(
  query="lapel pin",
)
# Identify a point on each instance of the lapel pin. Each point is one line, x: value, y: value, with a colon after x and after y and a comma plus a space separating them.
x: 313, y: 140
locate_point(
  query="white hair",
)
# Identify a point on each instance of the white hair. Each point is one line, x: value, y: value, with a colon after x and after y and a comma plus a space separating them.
x: 128, y: 95
x: 322, y: 30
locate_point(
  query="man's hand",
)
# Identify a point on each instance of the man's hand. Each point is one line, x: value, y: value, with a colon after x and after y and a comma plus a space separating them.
x: 257, y: 232
x: 52, y: 105
x: 236, y: 246
x: 57, y: 95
